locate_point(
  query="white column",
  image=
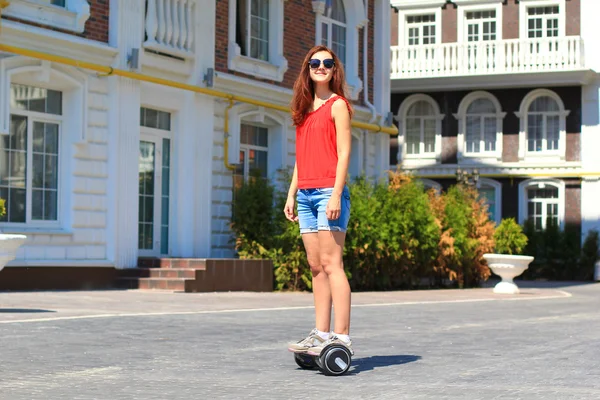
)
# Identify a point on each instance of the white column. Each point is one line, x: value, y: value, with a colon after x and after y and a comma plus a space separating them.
x: 590, y: 143
x: 381, y: 80
x: 126, y: 30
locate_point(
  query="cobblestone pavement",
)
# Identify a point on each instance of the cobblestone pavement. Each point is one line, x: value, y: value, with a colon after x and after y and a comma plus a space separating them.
x: 448, y: 344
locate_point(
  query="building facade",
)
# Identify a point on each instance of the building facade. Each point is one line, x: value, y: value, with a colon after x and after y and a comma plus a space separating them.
x: 100, y: 168
x: 507, y: 91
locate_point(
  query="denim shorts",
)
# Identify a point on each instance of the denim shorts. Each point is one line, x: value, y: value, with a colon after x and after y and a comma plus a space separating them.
x: 312, y: 206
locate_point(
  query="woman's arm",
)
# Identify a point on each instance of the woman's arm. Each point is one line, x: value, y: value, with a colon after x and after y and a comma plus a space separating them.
x: 341, y: 118
x: 289, y: 209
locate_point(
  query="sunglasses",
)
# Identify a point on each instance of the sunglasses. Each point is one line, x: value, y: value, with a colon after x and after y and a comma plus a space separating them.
x: 315, y: 63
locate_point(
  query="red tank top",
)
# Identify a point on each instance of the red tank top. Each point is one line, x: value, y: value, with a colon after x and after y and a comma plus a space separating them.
x: 316, y: 148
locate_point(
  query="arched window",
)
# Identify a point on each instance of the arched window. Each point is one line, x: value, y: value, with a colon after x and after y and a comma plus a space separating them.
x: 337, y: 26
x: 430, y: 184
x: 542, y: 202
x: 333, y: 29
x: 420, y: 135
x: 543, y: 125
x: 480, y: 127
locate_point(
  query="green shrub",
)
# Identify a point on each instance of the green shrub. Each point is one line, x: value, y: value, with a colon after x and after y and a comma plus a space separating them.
x: 509, y: 237
x: 392, y: 236
x: 590, y: 254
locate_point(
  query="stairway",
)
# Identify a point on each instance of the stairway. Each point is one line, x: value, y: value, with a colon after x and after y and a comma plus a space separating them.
x: 198, y: 275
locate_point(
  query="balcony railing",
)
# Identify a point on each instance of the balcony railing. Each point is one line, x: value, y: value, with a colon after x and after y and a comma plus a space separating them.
x: 170, y: 27
x: 488, y: 57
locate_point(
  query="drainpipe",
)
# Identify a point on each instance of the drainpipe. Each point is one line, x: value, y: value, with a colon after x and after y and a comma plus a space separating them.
x: 365, y: 67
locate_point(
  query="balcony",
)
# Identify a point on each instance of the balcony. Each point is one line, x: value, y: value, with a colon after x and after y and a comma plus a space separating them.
x: 487, y: 63
x: 170, y: 27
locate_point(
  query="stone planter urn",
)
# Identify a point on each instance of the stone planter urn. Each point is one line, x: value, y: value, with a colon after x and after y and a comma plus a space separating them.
x: 8, y: 247
x: 507, y: 267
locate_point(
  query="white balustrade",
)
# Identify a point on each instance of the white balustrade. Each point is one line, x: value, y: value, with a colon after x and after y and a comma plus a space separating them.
x: 170, y: 27
x: 487, y: 57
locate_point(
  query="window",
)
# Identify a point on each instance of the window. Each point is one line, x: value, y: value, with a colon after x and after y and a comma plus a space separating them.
x: 29, y: 155
x: 64, y: 14
x: 333, y: 29
x: 542, y: 22
x: 420, y: 134
x: 542, y: 19
x: 481, y: 25
x: 420, y: 129
x: 420, y: 29
x: 254, y: 150
x: 543, y: 125
x: 253, y: 28
x: 429, y: 184
x: 337, y: 25
x: 491, y: 191
x: 542, y: 202
x: 256, y: 38
x: 542, y: 206
x: 154, y: 169
x: 480, y: 126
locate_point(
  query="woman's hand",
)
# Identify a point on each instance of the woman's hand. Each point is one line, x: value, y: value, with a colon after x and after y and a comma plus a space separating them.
x: 334, y: 207
x: 288, y: 210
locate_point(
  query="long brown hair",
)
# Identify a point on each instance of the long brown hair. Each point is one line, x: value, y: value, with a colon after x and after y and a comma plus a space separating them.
x: 304, y: 90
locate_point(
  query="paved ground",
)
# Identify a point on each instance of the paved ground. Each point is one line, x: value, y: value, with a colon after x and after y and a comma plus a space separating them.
x: 452, y: 344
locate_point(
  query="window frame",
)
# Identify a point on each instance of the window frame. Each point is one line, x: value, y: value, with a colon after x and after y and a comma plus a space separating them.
x: 403, y: 15
x: 524, y: 199
x: 419, y: 159
x: 32, y: 117
x: 355, y: 20
x: 245, y: 147
x: 327, y: 20
x: 524, y: 5
x: 478, y: 5
x: 277, y: 65
x: 71, y: 17
x: 523, y: 114
x: 497, y: 186
x: 461, y: 116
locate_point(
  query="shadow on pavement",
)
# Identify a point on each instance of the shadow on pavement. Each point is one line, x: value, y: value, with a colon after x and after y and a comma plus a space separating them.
x: 23, y: 311
x: 370, y: 363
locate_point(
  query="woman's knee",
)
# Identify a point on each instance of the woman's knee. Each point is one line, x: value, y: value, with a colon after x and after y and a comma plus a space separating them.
x: 315, y: 267
x: 331, y: 265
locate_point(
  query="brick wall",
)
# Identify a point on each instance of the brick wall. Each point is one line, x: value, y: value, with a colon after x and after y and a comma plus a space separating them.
x: 298, y: 37
x: 96, y: 27
x: 573, y: 18
x: 394, y: 27
x: 573, y: 202
x: 449, y: 24
x: 510, y: 20
x: 298, y: 33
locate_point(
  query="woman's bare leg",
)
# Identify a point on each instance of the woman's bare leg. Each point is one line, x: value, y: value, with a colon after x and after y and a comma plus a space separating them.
x: 331, y: 245
x: 320, y: 281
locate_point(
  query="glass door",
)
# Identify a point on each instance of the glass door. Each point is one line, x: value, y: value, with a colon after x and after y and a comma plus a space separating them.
x: 154, y: 191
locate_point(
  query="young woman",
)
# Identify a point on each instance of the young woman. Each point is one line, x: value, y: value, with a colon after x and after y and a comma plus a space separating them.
x: 322, y: 116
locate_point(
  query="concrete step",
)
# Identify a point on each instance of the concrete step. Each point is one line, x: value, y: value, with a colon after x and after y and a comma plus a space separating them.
x: 171, y: 284
x: 188, y: 273
x: 168, y: 262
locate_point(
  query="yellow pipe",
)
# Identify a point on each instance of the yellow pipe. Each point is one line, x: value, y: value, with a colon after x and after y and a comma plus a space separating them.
x: 106, y: 71
x: 226, y: 139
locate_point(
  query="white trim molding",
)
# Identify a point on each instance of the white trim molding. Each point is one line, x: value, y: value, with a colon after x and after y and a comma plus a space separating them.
x: 466, y: 6
x: 540, y: 183
x: 276, y: 124
x: 525, y: 4
x: 355, y: 20
x: 403, y: 12
x: 71, y: 82
x: 497, y: 186
x: 71, y: 17
x: 277, y: 65
x: 461, y: 116
x: 550, y: 156
x: 410, y: 4
x: 431, y: 184
x: 419, y: 159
